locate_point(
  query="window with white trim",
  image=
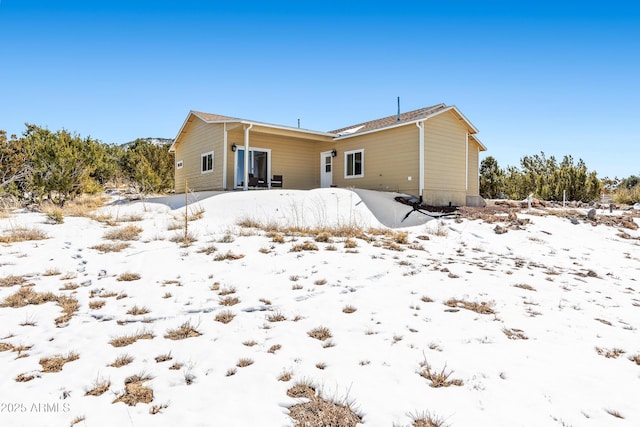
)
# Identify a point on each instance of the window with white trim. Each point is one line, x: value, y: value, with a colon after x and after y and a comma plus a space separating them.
x: 207, y: 162
x: 179, y: 164
x: 354, y: 164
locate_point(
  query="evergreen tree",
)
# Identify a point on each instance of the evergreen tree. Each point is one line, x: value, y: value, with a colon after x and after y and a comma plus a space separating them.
x: 491, y: 178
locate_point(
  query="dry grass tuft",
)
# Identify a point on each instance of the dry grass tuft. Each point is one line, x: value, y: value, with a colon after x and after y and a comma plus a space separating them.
x: 613, y: 353
x: 426, y: 419
x: 250, y: 343
x: 8, y: 281
x: 350, y: 244
x: 128, y: 232
x: 157, y: 409
x: 163, y: 358
x: 481, y: 307
x: 514, y: 334
x: 69, y: 306
x: 318, y: 412
x: 84, y: 205
x: 22, y: 234
x: 635, y: 358
x: 227, y: 291
x: 276, y: 316
x: 323, y: 237
x: 228, y: 256
x: 23, y: 378
x: 99, y: 387
x: 135, y: 392
x: 186, y: 330
x: 439, y: 379
x: 27, y: 296
x: 225, y: 316
x: 274, y: 348
x: 349, y: 309
x: 525, y: 286
x: 137, y: 311
x: 308, y: 245
x: 130, y: 339
x: 51, y: 272
x: 229, y: 301
x: 122, y: 360
x: 614, y: 413
x: 55, y: 363
x: 244, y: 362
x: 285, y: 376
x: 128, y: 277
x: 110, y: 247
x: 320, y: 333
x: 426, y: 299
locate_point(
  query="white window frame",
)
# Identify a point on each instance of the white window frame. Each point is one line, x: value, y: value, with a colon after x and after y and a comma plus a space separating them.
x: 202, y: 156
x: 179, y: 164
x: 346, y: 157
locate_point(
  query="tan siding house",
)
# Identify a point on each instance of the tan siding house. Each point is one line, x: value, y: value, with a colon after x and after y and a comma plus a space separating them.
x: 432, y: 152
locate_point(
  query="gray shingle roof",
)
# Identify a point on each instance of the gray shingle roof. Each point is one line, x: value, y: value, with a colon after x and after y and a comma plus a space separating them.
x: 384, y: 122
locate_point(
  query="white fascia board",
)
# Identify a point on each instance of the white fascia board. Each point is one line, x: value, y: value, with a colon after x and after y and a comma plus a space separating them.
x: 384, y: 128
x: 184, y: 124
x: 475, y: 138
x: 269, y: 125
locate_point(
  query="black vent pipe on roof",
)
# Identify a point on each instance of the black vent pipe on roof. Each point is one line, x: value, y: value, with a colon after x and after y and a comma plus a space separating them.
x: 398, y: 108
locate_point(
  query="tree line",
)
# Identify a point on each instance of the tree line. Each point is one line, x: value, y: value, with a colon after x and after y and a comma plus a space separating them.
x: 549, y: 179
x: 59, y: 166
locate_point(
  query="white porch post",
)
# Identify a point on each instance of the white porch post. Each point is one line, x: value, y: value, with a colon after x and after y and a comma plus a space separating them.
x: 246, y: 156
x: 466, y: 163
x: 421, y: 158
x: 224, y: 156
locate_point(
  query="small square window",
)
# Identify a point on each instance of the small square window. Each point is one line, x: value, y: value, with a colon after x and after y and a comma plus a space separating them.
x: 179, y: 164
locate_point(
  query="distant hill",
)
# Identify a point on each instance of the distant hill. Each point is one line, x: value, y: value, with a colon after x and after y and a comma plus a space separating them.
x: 154, y: 141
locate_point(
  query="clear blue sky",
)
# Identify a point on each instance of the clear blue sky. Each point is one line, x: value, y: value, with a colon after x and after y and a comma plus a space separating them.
x: 553, y: 76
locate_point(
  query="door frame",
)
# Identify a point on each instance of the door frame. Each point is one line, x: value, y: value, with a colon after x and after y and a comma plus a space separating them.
x: 323, y: 174
x: 235, y: 164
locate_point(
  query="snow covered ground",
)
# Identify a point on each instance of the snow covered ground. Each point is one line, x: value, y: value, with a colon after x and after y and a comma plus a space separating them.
x: 539, y: 324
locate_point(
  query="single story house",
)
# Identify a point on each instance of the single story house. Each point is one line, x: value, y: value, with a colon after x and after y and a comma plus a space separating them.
x: 432, y: 152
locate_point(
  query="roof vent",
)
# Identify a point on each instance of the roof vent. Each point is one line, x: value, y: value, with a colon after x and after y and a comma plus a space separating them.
x: 398, y: 108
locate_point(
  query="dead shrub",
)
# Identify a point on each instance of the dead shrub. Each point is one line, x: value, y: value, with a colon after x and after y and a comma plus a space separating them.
x: 285, y: 376
x: 439, y: 379
x: 225, y: 316
x: 135, y: 392
x: 51, y: 272
x: 635, y: 358
x: 128, y: 232
x: 320, y: 333
x: 525, y: 286
x: 250, y: 343
x: 323, y: 237
x: 320, y: 282
x: 277, y: 238
x: 186, y: 330
x: 55, y: 363
x: 480, y: 308
x: 23, y: 378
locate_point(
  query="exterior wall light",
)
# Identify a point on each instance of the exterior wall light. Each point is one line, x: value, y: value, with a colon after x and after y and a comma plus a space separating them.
x: 334, y: 153
x: 234, y: 147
